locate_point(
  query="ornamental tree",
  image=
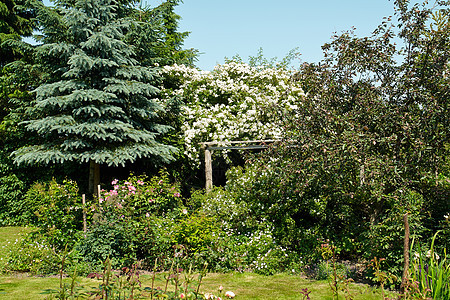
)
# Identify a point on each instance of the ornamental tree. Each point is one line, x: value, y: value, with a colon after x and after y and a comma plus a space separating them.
x: 98, y: 105
x: 235, y: 101
x: 368, y: 144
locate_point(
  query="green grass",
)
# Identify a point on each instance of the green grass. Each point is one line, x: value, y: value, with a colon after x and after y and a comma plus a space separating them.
x: 244, y: 285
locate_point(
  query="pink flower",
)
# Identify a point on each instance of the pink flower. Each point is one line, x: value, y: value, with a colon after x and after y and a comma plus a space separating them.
x: 140, y: 182
x: 114, y: 182
x: 182, y: 296
x: 177, y: 195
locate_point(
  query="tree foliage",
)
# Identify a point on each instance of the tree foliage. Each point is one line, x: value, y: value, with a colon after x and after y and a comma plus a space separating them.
x: 15, y: 22
x: 98, y: 103
x: 369, y: 142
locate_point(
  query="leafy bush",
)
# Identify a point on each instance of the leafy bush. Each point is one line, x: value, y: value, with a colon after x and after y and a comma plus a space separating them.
x: 196, y: 232
x: 108, y: 237
x: 129, y: 220
x: 385, y: 238
x: 12, y: 190
x: 57, y: 211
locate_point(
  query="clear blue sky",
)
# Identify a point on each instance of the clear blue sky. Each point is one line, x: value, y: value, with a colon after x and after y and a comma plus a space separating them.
x: 223, y: 28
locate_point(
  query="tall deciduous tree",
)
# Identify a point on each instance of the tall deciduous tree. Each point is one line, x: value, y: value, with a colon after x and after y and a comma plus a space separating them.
x: 369, y: 143
x: 15, y: 23
x: 158, y: 41
x: 98, y: 105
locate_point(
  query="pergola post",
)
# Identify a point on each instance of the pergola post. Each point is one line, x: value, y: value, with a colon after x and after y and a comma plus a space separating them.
x: 208, y: 146
x: 208, y: 170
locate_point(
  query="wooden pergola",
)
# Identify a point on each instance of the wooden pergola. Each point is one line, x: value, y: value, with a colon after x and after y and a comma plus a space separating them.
x: 234, y: 145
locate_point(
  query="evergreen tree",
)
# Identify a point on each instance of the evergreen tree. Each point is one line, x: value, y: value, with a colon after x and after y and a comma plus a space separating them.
x: 98, y: 105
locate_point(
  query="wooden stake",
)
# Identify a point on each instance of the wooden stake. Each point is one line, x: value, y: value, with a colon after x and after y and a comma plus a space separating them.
x: 84, y: 213
x: 405, y: 255
x: 98, y: 192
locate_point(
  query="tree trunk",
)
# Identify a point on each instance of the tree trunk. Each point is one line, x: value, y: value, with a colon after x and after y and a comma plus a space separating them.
x: 94, y: 178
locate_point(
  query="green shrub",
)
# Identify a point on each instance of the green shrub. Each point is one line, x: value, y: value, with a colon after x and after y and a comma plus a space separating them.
x: 385, y: 237
x: 56, y: 210
x: 12, y: 190
x: 195, y: 232
x: 129, y: 221
x: 107, y: 240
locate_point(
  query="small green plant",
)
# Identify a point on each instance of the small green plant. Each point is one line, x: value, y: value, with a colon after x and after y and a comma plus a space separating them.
x: 380, y: 276
x: 337, y: 280
x: 429, y: 274
x: 305, y: 294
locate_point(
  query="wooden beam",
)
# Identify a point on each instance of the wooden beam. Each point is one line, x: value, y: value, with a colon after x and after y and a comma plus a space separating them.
x: 236, y: 142
x: 207, y: 146
x: 251, y: 147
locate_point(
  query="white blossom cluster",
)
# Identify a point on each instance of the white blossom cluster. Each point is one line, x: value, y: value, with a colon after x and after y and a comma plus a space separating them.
x: 233, y: 102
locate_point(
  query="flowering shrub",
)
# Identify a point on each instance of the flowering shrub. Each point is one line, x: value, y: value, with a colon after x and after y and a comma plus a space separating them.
x: 233, y: 102
x: 140, y: 196
x: 195, y: 232
x: 129, y: 219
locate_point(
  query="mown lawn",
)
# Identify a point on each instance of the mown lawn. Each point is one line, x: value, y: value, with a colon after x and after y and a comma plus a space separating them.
x: 244, y: 285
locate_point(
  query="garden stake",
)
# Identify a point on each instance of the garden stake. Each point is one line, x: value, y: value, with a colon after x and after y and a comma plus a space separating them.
x: 405, y: 255
x: 175, y: 278
x: 83, y: 197
x: 187, y: 279
x: 153, y: 278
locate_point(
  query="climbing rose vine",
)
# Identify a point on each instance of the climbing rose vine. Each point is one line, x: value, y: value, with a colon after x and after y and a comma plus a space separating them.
x: 233, y: 102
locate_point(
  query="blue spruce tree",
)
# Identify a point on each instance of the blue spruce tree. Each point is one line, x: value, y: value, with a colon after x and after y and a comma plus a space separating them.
x: 98, y: 105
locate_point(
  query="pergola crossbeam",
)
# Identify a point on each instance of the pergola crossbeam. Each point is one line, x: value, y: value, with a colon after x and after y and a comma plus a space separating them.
x: 208, y: 146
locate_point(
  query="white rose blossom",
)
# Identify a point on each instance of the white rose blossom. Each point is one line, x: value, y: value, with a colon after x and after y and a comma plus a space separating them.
x: 233, y: 102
